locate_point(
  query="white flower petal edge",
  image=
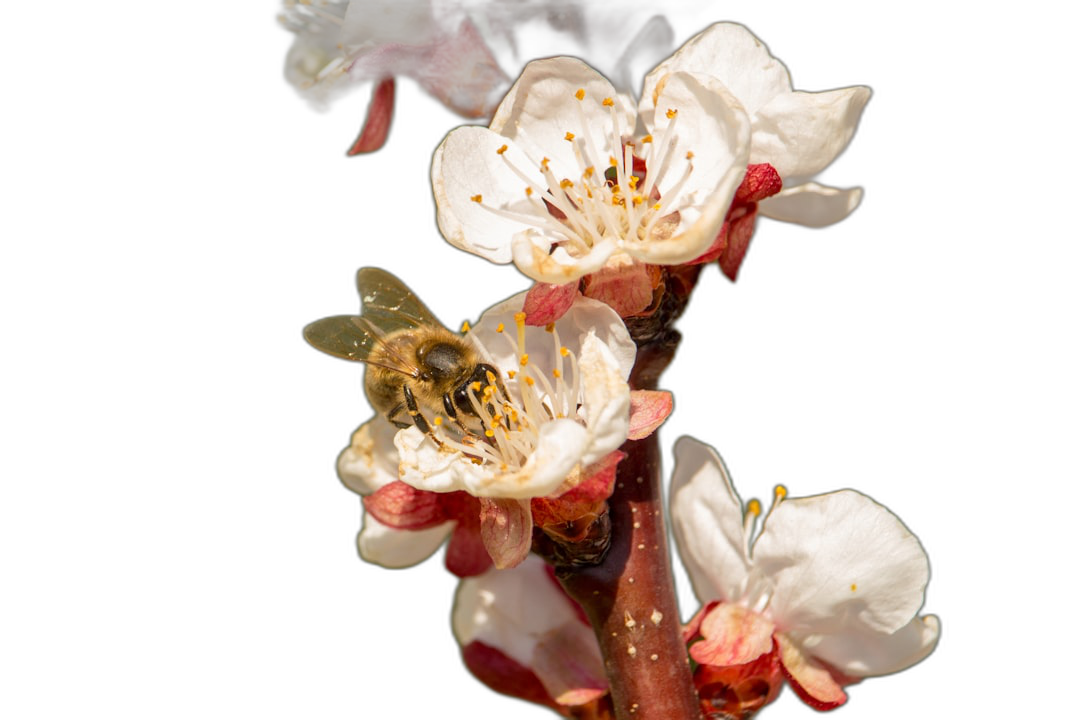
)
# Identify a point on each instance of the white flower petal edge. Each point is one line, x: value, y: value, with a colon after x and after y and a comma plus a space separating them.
x: 812, y: 204
x: 838, y: 574
x: 368, y: 463
x: 577, y: 369
x: 522, y: 613
x: 552, y: 183
x: 798, y: 133
x: 328, y: 39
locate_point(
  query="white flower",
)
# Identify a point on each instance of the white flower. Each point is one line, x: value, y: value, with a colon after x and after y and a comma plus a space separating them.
x: 835, y: 580
x: 798, y: 133
x: 524, y: 616
x: 568, y: 175
x: 563, y: 405
x: 329, y: 36
x: 366, y: 465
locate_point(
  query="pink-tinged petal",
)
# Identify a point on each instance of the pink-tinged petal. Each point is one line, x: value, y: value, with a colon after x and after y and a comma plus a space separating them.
x: 505, y: 675
x: 812, y: 204
x: 466, y: 555
x: 623, y: 284
x: 707, y: 519
x: 461, y: 71
x: 863, y: 653
x: 740, y: 230
x: 812, y: 682
x: 570, y: 514
x: 732, y: 635
x: 761, y: 181
x: 733, y: 55
x: 404, y: 507
x: 739, y: 691
x: 567, y: 661
x: 393, y: 548
x: 506, y: 529
x: 545, y: 303
x: 377, y: 123
x: 801, y: 133
x: 648, y: 411
x: 840, y: 562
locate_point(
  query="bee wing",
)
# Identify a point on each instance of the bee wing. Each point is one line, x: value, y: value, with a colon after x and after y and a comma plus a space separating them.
x: 389, y: 304
x: 354, y: 338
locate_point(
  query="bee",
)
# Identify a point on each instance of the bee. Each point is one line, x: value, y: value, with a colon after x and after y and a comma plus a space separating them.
x: 414, y: 364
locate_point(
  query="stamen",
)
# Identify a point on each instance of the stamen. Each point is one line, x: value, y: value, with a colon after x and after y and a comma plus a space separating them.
x: 580, y: 94
x: 501, y: 150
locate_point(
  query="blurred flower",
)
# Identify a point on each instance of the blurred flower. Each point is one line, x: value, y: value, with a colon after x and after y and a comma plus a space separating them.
x: 521, y: 635
x: 340, y: 43
x: 826, y: 594
x: 569, y: 178
x: 797, y: 133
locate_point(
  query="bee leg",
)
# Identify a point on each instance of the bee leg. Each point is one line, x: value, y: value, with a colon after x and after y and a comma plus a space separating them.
x: 451, y: 411
x: 418, y: 417
x: 399, y: 424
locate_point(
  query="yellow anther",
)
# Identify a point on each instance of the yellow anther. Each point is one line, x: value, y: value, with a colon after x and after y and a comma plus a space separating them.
x: 524, y: 360
x: 565, y: 183
x: 438, y: 420
x: 528, y: 192
x: 500, y: 327
x: 580, y: 94
x: 550, y: 327
x: 490, y: 377
x: 502, y: 150
x: 564, y: 351
x: 529, y: 381
x: 569, y: 136
x: 656, y: 206
x: 544, y: 163
x: 638, y: 200
x: 633, y: 180
x: 489, y: 433
x: 754, y: 507
x: 556, y: 373
x: 854, y: 587
x: 476, y: 460
x: 646, y: 139
x: 612, y: 161
x: 780, y: 491
x: 671, y: 113
x: 589, y: 171
x: 465, y: 326
x: 511, y: 374
x: 608, y: 102
x: 689, y: 154
x: 475, y: 387
x: 477, y: 198
x: 519, y: 319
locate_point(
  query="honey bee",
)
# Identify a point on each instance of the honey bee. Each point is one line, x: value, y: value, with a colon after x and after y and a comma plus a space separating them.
x: 413, y: 362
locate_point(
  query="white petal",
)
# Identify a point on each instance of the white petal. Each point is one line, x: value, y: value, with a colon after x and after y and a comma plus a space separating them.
x: 509, y: 609
x: 533, y: 256
x: 732, y: 54
x: 801, y: 133
x: 393, y: 548
x: 372, y: 23
x: 862, y: 653
x: 467, y: 165
x: 712, y: 137
x: 542, y: 107
x: 811, y: 204
x: 585, y: 316
x: 370, y: 461
x: 606, y: 401
x: 838, y: 561
x: 707, y: 518
x: 651, y: 45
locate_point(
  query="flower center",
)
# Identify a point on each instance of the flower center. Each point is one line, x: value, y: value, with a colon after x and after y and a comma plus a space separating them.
x: 617, y: 197
x: 757, y: 594
x: 513, y: 413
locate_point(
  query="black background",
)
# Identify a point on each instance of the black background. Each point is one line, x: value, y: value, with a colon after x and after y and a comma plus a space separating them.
x: 841, y: 358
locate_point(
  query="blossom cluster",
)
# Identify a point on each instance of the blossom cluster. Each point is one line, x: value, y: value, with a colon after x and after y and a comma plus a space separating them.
x: 508, y: 439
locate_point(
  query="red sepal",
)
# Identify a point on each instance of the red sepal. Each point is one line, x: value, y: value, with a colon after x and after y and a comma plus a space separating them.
x: 505, y: 675
x: 546, y: 303
x: 377, y: 123
x: 404, y: 507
